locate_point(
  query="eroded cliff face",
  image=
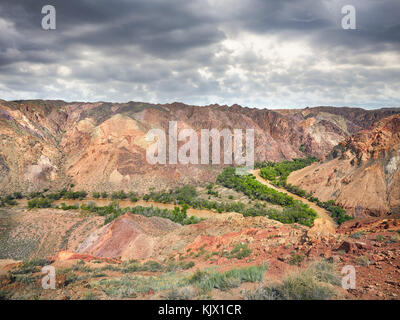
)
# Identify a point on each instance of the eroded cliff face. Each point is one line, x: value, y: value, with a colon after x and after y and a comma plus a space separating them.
x: 102, y: 146
x: 361, y: 173
x: 30, y: 157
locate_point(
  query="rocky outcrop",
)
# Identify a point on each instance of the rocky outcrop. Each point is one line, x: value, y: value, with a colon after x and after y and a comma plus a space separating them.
x: 361, y: 173
x: 128, y: 237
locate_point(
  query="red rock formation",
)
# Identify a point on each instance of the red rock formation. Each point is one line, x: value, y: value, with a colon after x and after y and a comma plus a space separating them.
x: 127, y: 237
x: 362, y: 173
x: 101, y: 146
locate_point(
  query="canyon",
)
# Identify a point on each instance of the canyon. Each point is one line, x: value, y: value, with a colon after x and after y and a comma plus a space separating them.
x: 102, y: 146
x: 125, y: 253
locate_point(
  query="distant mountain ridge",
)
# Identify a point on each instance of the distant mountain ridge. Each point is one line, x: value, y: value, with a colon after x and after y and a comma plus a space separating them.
x: 101, y: 146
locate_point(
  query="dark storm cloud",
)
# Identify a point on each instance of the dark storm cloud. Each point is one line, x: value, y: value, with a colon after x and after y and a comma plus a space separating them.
x: 254, y: 52
x: 378, y: 22
x: 159, y: 27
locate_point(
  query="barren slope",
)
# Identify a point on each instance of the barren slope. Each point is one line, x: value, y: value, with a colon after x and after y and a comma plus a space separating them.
x: 362, y: 173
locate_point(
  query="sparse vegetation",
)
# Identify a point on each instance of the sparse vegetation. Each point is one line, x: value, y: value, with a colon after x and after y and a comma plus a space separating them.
x: 70, y: 207
x: 30, y: 266
x: 394, y: 238
x: 363, y: 261
x: 184, y: 293
x: 296, y: 259
x: 317, y: 282
x: 240, y: 251
x: 357, y: 234
x: 10, y: 200
x: 89, y: 296
x: 129, y: 286
x: 207, y: 280
x: 113, y: 211
x: 104, y: 195
x: 3, y: 295
x: 121, y: 195
x: 133, y: 266
x: 96, y: 195
x: 75, y: 195
x: 39, y: 203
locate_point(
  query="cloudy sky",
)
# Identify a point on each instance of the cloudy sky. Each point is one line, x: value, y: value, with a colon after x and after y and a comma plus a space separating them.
x: 257, y: 53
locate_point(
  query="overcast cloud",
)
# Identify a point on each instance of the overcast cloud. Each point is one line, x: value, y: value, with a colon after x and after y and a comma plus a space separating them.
x: 257, y: 53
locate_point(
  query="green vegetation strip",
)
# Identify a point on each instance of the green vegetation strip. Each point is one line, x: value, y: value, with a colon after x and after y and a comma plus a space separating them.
x: 294, y: 210
x: 277, y: 173
x: 113, y: 211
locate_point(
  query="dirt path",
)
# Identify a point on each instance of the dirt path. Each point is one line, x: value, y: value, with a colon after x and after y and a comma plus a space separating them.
x: 321, y: 225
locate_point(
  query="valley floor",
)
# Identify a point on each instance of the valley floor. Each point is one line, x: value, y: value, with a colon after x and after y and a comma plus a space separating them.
x: 224, y: 256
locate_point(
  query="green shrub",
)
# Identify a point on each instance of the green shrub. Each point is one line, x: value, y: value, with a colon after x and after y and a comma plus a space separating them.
x: 90, y: 206
x: 185, y: 293
x: 119, y: 195
x: 33, y: 195
x: 363, y: 261
x: 30, y: 266
x: 296, y: 259
x: 314, y: 283
x: 71, y: 207
x: 207, y: 280
x: 73, y: 195
x: 357, y: 234
x: 259, y: 293
x: 240, y: 251
x: 54, y: 196
x: 89, y: 296
x: 96, y: 195
x: 39, y: 203
x: 133, y: 197
x: 9, y: 201
x: 3, y: 294
x: 152, y: 266
x: 17, y: 195
x: 317, y: 282
x: 177, y: 266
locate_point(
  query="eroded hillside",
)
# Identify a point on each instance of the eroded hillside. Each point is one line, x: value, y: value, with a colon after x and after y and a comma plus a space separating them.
x: 362, y: 173
x: 101, y: 146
